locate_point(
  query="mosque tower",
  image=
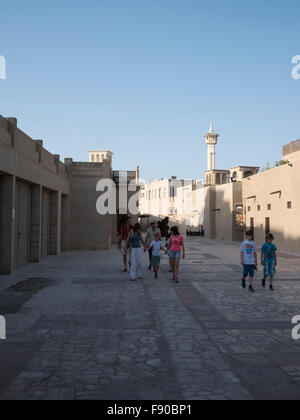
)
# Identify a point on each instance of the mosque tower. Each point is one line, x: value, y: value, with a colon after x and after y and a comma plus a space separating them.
x: 211, y: 141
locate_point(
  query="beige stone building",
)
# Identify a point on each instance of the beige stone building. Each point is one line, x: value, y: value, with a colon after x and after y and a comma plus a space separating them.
x: 100, y: 156
x: 217, y: 210
x: 215, y: 207
x: 234, y: 200
x: 239, y: 173
x: 47, y: 206
x: 177, y: 199
x: 271, y: 201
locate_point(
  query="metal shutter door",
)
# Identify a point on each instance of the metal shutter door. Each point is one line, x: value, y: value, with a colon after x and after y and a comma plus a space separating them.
x: 22, y: 216
x: 46, y: 224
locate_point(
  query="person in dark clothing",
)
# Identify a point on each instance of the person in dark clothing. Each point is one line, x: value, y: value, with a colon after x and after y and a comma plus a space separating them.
x: 165, y: 227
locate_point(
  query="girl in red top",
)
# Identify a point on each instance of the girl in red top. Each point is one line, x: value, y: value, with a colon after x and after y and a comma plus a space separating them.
x: 176, y: 245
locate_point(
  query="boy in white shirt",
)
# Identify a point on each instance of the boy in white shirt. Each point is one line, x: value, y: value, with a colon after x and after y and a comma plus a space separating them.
x: 157, y: 246
x: 249, y: 260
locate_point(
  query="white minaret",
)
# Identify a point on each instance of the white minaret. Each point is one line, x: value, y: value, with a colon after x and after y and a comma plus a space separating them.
x: 211, y: 141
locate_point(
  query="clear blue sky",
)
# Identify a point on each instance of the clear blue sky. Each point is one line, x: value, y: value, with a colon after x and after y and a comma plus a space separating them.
x: 144, y: 79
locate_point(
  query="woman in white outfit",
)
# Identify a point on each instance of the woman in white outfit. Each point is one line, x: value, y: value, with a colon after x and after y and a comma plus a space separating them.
x: 136, y: 242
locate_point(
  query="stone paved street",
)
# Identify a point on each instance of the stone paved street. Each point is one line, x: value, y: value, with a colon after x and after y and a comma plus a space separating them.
x: 80, y: 329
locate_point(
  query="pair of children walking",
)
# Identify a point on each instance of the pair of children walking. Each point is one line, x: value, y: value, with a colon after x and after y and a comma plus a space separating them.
x: 249, y: 260
x: 174, y: 247
x: 136, y: 243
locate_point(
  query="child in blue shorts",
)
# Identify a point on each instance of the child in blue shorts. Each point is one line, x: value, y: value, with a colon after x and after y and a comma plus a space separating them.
x: 249, y: 260
x: 157, y: 246
x: 269, y: 260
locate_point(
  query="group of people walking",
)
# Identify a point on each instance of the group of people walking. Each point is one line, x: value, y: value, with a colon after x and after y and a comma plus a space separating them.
x: 132, y: 245
x: 159, y: 238
x: 249, y: 260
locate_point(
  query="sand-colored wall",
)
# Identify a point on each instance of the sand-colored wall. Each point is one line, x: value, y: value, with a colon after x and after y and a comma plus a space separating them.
x: 292, y: 157
x: 220, y: 203
x: 276, y: 187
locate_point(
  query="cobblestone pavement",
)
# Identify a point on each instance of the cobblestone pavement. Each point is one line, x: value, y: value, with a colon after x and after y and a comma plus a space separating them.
x: 80, y: 329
